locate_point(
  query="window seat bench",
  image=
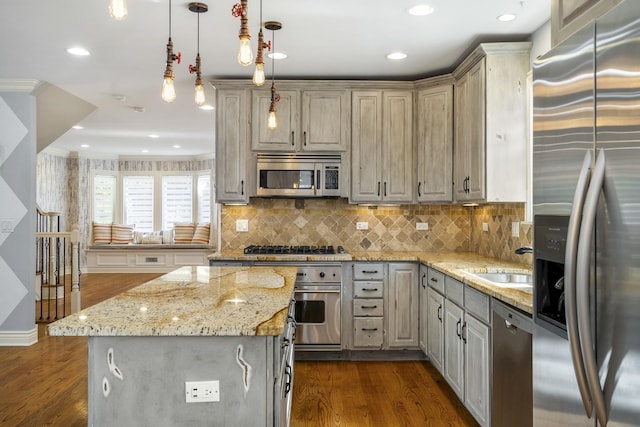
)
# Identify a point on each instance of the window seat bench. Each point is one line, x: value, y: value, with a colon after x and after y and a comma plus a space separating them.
x: 145, y: 258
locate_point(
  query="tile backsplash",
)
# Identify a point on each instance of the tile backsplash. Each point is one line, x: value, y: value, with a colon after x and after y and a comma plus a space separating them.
x: 390, y: 228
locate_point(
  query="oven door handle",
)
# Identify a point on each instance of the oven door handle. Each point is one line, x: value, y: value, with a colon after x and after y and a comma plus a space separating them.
x: 317, y: 291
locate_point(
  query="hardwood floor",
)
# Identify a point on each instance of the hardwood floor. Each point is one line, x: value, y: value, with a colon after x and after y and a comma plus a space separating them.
x: 46, y: 384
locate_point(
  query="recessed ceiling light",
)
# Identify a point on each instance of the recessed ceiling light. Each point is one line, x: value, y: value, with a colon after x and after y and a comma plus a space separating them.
x: 79, y: 51
x: 420, y: 10
x: 85, y: 146
x: 154, y: 136
x: 506, y: 17
x: 206, y: 107
x: 396, y: 55
x: 77, y: 127
x: 145, y: 151
x: 277, y: 55
x: 176, y: 146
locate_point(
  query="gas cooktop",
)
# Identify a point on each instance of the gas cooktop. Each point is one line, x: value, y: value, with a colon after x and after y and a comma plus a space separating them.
x: 292, y: 250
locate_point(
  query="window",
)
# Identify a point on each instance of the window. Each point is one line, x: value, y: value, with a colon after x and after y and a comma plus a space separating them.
x: 137, y: 192
x: 152, y: 200
x: 177, y: 200
x: 104, y: 198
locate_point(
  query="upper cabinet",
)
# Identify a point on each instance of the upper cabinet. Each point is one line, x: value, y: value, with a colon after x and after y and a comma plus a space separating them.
x: 490, y: 124
x: 568, y: 16
x: 434, y: 143
x: 382, y: 146
x: 308, y: 120
x: 232, y: 124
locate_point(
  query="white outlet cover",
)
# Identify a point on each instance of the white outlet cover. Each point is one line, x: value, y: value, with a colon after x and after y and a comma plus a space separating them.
x: 422, y: 226
x: 515, y: 229
x: 242, y: 225
x: 485, y: 226
x: 362, y: 225
x: 202, y: 391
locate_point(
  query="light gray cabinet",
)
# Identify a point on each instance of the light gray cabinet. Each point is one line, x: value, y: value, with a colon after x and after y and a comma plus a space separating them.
x: 403, y: 303
x: 368, y: 305
x: 454, y: 347
x: 477, y: 367
x: 232, y: 123
x: 490, y: 124
x: 381, y: 146
x: 312, y: 120
x: 568, y: 16
x: 434, y: 144
x: 423, y: 309
x: 435, y: 331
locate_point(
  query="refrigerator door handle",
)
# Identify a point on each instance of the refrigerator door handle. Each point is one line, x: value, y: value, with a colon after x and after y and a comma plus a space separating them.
x: 573, y: 234
x: 583, y: 269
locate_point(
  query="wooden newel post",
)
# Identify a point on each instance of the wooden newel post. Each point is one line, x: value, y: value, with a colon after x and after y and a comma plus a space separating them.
x: 75, y: 270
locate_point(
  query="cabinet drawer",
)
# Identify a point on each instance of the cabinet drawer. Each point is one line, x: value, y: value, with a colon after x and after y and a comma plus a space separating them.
x: 436, y: 280
x: 478, y: 304
x: 367, y: 332
x: 365, y: 289
x: 367, y: 307
x: 368, y: 271
x: 454, y: 290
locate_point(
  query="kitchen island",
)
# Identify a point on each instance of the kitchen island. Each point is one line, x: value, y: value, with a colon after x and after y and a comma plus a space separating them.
x: 226, y: 325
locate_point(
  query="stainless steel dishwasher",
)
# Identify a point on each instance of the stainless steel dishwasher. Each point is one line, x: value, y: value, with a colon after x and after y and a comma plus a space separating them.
x: 512, y: 391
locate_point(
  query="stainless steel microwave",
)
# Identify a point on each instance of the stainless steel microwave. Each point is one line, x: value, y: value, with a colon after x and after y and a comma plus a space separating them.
x: 298, y: 175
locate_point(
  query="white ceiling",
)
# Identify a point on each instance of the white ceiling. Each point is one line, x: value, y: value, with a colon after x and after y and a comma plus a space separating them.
x: 322, y: 38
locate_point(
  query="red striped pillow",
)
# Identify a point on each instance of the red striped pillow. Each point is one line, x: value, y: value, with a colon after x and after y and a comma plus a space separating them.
x: 201, y: 235
x: 183, y: 233
x: 101, y: 233
x: 121, y: 233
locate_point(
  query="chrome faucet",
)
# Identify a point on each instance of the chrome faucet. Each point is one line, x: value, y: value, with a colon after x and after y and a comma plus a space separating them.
x: 524, y: 250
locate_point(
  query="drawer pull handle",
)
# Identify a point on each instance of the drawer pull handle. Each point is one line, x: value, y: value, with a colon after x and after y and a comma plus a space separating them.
x: 370, y: 289
x: 458, y: 332
x: 440, y: 313
x: 368, y: 307
x: 433, y: 279
x: 369, y: 271
x: 369, y: 329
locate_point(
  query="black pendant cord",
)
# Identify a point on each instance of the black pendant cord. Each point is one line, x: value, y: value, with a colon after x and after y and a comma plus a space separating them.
x: 169, y: 19
x: 198, y: 42
x: 273, y: 59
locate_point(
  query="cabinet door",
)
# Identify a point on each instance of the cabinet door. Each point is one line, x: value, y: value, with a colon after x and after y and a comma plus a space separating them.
x: 461, y: 135
x: 325, y: 120
x: 403, y: 306
x: 477, y: 353
x: 568, y: 16
x: 435, y: 334
x: 476, y: 138
x: 397, y: 146
x: 366, y: 139
x: 423, y: 321
x: 231, y: 146
x: 453, y: 348
x: 283, y: 137
x: 435, y: 144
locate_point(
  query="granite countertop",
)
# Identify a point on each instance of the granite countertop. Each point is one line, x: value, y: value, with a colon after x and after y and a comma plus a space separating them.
x: 192, y: 301
x: 455, y: 264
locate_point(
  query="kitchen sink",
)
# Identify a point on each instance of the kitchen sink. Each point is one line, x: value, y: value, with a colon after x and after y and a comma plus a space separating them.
x: 507, y: 280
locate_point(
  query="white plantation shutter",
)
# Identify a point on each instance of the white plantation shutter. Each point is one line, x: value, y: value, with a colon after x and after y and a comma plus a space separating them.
x: 104, y: 198
x: 138, y: 201
x: 204, y: 198
x: 177, y: 200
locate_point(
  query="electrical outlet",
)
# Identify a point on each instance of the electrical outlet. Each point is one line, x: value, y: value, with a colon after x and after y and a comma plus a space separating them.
x: 422, y: 226
x: 362, y: 225
x: 242, y: 225
x: 202, y: 391
x: 485, y: 226
x: 515, y: 229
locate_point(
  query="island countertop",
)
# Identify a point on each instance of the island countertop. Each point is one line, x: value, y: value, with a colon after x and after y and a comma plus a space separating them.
x: 192, y: 301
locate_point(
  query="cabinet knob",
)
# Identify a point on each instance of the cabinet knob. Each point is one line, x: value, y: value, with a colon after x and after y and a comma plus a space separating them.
x: 419, y: 185
x: 304, y: 138
x: 293, y: 139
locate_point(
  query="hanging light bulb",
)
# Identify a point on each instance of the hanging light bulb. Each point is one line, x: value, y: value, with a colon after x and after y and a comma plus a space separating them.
x: 118, y: 9
x: 258, y: 74
x: 199, y: 93
x: 272, y: 121
x: 168, y: 89
x: 245, y: 56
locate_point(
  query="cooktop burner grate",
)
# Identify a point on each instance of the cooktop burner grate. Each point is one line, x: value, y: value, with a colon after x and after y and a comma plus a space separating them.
x: 290, y: 250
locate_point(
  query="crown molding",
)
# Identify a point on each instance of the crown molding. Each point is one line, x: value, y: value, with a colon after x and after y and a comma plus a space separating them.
x: 18, y: 85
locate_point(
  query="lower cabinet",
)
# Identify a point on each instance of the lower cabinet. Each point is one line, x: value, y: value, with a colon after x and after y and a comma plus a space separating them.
x: 458, y: 341
x: 403, y: 302
x: 423, y: 312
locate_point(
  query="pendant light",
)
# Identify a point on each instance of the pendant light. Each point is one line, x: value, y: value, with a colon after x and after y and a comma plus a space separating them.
x: 245, y: 56
x: 258, y: 74
x: 199, y: 94
x: 118, y: 9
x: 272, y: 121
x: 168, y: 89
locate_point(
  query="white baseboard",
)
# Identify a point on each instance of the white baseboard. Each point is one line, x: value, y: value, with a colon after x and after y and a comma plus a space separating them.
x: 19, y: 338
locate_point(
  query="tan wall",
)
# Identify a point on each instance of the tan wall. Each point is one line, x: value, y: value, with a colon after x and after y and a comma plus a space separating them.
x: 391, y: 228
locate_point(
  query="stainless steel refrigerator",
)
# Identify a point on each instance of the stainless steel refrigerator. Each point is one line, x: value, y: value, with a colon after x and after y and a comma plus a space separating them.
x: 586, y: 178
